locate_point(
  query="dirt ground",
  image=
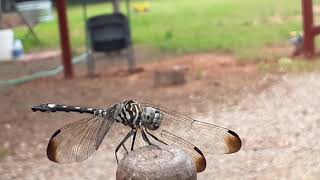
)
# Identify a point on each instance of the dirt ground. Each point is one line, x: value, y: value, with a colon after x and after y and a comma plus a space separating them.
x: 274, y: 114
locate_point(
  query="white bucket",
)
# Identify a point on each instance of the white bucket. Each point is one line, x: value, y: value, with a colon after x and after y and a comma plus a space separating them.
x: 6, y: 44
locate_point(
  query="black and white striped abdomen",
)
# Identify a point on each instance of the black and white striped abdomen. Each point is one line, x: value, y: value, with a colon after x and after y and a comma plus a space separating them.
x: 127, y: 112
x: 130, y: 113
x: 62, y: 108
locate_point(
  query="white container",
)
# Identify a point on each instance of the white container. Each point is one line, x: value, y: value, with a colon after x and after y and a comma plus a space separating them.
x: 6, y: 44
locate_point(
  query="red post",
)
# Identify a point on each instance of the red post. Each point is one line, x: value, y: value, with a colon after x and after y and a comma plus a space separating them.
x: 64, y: 38
x: 309, y: 35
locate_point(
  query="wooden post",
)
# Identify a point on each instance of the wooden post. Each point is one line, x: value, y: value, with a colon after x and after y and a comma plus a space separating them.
x: 1, y: 14
x: 308, y: 38
x: 64, y: 38
x: 151, y: 162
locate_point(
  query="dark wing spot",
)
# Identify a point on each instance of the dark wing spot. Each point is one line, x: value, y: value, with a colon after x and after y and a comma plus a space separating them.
x: 52, y: 150
x: 52, y: 147
x: 198, y: 150
x: 200, y: 161
x: 233, y: 142
x: 55, y: 133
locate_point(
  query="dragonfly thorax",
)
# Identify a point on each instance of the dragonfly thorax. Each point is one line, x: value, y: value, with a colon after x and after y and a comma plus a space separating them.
x: 151, y: 118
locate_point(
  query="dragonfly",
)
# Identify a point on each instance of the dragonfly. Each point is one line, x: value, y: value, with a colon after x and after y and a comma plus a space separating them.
x: 77, y: 141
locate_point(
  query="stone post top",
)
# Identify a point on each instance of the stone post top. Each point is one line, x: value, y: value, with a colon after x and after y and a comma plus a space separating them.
x: 151, y: 162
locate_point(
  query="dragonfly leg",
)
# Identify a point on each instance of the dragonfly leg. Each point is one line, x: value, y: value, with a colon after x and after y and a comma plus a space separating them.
x: 157, y: 139
x: 124, y: 147
x: 122, y: 142
x: 154, y: 137
x: 145, y: 138
x: 133, y: 139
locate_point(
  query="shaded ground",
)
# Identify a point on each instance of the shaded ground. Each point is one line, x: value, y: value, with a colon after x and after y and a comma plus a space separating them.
x: 276, y: 121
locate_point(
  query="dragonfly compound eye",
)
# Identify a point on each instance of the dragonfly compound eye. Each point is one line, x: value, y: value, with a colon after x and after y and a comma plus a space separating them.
x: 151, y: 118
x: 157, y: 119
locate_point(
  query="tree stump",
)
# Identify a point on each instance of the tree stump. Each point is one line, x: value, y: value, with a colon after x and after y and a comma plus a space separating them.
x: 167, y: 77
x: 151, y: 162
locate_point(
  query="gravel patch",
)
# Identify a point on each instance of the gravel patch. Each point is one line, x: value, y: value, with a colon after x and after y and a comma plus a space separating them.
x: 279, y: 128
x: 277, y: 119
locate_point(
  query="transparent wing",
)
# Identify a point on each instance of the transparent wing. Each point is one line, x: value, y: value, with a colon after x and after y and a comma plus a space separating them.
x: 194, y: 136
x: 77, y: 141
x: 189, y: 148
x: 207, y: 137
x: 118, y: 131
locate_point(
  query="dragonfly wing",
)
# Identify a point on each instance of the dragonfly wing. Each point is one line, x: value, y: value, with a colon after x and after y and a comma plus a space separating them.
x: 77, y: 141
x: 103, y: 130
x: 170, y: 138
x: 207, y: 137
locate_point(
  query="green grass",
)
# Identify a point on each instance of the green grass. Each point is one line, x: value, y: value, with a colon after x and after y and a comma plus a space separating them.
x: 240, y: 27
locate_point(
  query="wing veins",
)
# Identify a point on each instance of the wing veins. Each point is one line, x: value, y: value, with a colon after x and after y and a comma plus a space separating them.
x: 69, y: 127
x: 214, y: 139
x: 88, y: 131
x: 78, y: 140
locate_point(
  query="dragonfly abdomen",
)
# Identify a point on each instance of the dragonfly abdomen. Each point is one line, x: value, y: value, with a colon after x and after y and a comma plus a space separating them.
x: 62, y: 108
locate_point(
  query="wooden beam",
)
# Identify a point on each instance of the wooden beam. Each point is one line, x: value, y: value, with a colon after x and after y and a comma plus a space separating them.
x: 308, y: 37
x: 316, y: 30
x: 64, y: 38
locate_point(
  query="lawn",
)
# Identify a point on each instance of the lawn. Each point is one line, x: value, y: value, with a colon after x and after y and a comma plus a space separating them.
x: 240, y: 27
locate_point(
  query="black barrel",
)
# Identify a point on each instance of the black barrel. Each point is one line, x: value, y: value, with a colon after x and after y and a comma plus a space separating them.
x: 109, y: 32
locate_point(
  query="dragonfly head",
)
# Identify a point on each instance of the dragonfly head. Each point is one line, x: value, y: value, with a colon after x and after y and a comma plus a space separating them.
x: 151, y: 118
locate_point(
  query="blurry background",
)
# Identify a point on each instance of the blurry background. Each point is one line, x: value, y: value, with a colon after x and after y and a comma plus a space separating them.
x: 237, y: 67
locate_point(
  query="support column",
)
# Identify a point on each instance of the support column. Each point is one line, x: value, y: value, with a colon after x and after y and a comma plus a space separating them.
x: 64, y: 38
x: 308, y: 37
x: 116, y: 6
